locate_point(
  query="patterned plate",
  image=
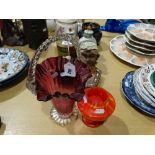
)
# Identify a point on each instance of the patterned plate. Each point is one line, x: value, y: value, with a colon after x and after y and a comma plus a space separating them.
x: 139, y: 42
x: 139, y: 49
x: 145, y: 32
x: 14, y: 78
x: 129, y: 92
x: 140, y: 90
x: 145, y: 75
x: 12, y: 61
x: 118, y: 47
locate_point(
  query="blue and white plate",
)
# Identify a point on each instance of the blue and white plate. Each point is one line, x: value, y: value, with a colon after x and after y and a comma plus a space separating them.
x: 129, y: 92
x: 14, y: 78
x: 12, y: 62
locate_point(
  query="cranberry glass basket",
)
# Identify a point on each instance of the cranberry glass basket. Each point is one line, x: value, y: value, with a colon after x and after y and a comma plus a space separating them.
x: 45, y: 82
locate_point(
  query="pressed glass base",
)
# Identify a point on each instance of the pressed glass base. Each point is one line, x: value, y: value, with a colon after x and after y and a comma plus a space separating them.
x: 59, y: 119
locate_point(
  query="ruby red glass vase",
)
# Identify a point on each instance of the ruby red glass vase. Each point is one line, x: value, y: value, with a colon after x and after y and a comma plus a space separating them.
x: 63, y: 105
x: 62, y: 91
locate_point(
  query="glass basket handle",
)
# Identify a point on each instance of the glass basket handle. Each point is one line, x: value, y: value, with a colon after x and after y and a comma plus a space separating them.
x: 30, y: 83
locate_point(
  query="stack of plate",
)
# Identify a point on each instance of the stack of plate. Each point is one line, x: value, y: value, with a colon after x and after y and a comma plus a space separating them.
x: 140, y: 38
x: 13, y: 64
x: 139, y: 88
x: 137, y: 46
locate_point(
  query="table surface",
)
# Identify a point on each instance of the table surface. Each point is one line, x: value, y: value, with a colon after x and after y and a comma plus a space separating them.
x: 22, y: 114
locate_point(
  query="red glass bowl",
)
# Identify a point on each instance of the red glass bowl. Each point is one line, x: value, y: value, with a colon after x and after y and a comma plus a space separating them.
x: 49, y: 81
x: 96, y: 106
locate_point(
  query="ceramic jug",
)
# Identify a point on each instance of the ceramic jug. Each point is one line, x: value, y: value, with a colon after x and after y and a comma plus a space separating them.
x: 67, y: 25
x: 88, y: 42
x: 95, y: 27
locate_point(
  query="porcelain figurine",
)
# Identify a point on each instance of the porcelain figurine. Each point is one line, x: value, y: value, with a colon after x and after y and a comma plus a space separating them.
x: 88, y: 48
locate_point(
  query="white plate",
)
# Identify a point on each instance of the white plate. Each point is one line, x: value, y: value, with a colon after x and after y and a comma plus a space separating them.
x: 142, y: 31
x: 139, y: 49
x: 140, y: 43
x: 119, y: 48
